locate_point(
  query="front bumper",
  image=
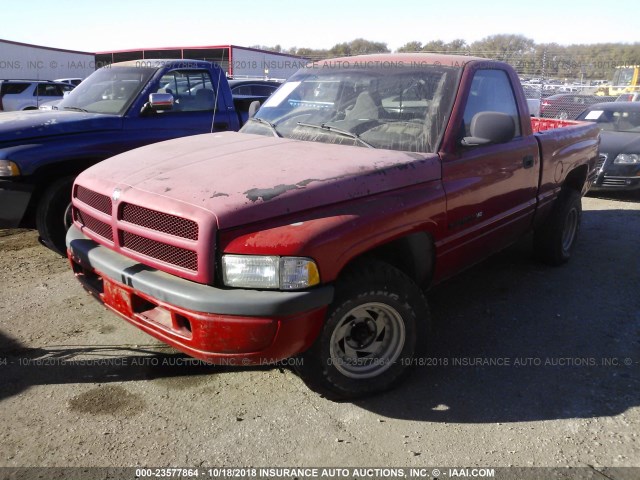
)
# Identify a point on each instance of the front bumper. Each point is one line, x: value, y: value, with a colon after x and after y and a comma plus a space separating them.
x: 232, y: 326
x: 14, y: 199
x: 613, y: 176
x: 609, y: 182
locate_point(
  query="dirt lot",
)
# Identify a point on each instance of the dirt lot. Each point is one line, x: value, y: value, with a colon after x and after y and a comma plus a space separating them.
x: 529, y: 366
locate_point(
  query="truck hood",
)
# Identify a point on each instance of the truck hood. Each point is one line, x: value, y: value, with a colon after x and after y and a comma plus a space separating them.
x: 243, y: 178
x: 28, y: 125
x: 619, y: 142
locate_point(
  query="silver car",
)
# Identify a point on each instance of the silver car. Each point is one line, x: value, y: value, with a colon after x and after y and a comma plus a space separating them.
x: 29, y: 94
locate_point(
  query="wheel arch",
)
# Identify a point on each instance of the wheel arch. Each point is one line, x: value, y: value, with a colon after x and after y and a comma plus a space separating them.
x: 413, y: 254
x: 46, y: 175
x: 576, y: 178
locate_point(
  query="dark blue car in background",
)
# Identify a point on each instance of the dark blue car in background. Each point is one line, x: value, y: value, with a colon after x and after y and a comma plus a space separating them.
x: 117, y: 108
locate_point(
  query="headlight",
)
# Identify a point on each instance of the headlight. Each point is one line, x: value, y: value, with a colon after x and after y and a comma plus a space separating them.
x: 269, y: 272
x: 627, y: 158
x: 8, y: 169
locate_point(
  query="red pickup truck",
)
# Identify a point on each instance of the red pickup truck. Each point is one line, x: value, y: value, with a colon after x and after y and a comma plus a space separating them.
x: 315, y: 231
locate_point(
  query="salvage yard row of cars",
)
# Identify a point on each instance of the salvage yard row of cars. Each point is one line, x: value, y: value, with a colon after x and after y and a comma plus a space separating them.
x: 552, y: 98
x: 315, y: 230
x: 16, y: 95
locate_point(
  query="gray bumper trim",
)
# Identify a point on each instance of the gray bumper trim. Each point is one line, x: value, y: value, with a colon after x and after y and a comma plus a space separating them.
x: 190, y: 295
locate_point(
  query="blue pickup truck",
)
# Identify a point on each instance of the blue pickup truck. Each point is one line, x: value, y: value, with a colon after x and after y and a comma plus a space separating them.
x: 118, y: 108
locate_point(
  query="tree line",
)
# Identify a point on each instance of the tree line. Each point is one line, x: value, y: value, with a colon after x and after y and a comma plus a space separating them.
x: 548, y: 60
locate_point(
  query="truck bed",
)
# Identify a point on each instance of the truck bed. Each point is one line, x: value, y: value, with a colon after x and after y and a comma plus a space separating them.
x: 563, y: 147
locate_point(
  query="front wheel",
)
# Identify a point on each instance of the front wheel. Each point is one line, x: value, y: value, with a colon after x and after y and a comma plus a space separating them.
x: 555, y: 240
x: 53, y: 216
x: 371, y: 333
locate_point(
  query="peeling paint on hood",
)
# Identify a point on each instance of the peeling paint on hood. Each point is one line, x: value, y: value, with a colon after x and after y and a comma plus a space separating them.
x: 243, y: 178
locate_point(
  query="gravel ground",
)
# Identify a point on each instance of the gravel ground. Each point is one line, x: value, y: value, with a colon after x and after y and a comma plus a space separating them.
x: 528, y: 366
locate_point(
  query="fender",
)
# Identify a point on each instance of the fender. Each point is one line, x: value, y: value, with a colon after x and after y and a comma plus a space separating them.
x: 337, y: 235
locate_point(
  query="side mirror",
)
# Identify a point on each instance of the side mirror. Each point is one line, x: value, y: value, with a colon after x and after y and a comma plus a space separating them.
x: 490, y: 127
x: 161, y: 101
x: 253, y: 108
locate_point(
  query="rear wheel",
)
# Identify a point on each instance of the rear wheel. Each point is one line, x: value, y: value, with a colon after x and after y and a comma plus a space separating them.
x: 555, y: 240
x: 53, y: 216
x: 371, y: 333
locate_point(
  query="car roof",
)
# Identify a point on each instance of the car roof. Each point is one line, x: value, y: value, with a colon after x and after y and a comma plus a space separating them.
x: 164, y: 62
x: 559, y: 95
x: 23, y: 80
x: 566, y: 95
x: 408, y: 58
x: 234, y: 83
x: 617, y: 106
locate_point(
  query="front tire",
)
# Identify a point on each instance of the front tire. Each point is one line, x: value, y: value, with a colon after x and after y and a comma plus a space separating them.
x: 371, y: 333
x: 555, y: 240
x: 53, y: 216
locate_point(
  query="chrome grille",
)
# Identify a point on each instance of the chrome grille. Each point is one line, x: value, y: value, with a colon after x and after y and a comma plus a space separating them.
x: 600, y: 162
x: 614, y: 182
x: 159, y: 221
x: 100, y: 202
x: 160, y: 251
x: 98, y: 227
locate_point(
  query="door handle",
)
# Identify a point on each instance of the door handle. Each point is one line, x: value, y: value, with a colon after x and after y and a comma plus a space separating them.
x: 528, y: 161
x: 221, y: 125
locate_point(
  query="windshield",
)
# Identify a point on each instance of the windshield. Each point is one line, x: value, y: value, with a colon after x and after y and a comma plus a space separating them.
x: 399, y: 108
x: 108, y: 90
x: 614, y: 120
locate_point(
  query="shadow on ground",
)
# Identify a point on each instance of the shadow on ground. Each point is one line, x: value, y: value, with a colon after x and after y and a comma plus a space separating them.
x: 512, y: 340
x: 575, y: 331
x: 22, y: 367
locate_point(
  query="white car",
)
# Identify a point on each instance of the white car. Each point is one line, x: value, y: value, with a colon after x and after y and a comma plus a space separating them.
x: 72, y: 81
x: 30, y: 94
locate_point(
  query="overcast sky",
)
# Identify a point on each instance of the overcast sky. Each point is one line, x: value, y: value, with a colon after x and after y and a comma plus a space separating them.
x: 123, y: 24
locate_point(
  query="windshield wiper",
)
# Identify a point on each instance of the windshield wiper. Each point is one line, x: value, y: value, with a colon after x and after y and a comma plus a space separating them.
x: 272, y: 126
x: 76, y: 109
x: 339, y: 131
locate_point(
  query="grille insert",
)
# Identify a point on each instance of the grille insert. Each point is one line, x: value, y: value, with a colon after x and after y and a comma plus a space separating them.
x: 98, y: 227
x: 600, y: 162
x: 100, y: 202
x: 170, y: 254
x: 159, y: 221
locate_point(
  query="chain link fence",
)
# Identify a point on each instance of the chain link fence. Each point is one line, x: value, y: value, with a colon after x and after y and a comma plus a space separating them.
x: 562, y: 83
